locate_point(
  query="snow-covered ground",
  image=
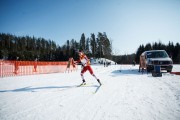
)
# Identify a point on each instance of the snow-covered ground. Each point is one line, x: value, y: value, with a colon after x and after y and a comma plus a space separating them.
x: 125, y: 95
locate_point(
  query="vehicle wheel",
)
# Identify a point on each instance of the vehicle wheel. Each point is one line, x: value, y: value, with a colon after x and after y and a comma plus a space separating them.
x: 169, y: 70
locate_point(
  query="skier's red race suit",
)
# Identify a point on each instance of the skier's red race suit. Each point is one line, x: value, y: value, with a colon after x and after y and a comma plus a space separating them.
x: 85, y: 63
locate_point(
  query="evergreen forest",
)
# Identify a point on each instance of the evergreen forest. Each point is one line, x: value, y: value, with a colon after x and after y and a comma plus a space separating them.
x: 29, y: 48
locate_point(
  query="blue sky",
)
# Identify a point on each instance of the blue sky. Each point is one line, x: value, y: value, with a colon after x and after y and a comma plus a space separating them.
x: 128, y: 23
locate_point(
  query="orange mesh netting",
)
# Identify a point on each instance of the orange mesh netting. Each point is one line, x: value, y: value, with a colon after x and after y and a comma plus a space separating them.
x: 14, y: 68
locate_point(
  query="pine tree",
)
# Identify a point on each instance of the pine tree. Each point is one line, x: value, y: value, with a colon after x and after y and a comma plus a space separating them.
x: 82, y: 42
x: 148, y: 47
x: 99, y: 41
x: 140, y: 50
x: 87, y: 51
x: 93, y: 44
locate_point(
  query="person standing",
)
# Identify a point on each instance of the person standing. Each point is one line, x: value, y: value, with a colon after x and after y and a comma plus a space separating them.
x: 86, y: 66
x: 74, y: 66
x: 16, y: 65
x: 68, y: 65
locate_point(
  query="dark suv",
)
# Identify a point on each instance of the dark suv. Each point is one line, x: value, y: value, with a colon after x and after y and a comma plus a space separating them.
x: 157, y: 57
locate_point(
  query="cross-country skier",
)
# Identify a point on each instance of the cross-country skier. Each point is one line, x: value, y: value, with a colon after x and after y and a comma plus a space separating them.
x: 86, y: 66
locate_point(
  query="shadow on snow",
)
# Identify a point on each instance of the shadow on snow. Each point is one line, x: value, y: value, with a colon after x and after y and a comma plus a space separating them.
x: 34, y: 89
x: 126, y: 72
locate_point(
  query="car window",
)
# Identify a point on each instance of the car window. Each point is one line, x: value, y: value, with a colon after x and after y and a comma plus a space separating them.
x: 157, y: 54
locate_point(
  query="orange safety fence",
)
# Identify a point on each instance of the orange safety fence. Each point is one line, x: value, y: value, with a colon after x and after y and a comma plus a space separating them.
x: 17, y: 68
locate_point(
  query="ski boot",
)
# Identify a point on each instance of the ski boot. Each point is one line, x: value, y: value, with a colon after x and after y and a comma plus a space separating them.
x: 99, y: 82
x: 83, y: 83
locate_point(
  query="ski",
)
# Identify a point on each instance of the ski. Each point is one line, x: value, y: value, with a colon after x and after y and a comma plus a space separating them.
x: 82, y: 84
x: 97, y: 89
